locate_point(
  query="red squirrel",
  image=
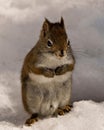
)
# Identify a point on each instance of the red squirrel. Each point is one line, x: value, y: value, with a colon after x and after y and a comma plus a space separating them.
x: 46, y: 75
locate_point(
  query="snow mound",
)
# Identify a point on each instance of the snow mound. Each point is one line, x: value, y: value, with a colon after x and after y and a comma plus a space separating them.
x: 85, y: 115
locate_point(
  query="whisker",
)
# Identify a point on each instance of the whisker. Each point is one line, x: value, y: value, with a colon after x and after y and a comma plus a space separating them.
x: 80, y: 52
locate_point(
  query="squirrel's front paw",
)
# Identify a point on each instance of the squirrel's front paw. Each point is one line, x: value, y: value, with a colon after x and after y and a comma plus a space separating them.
x: 58, y: 70
x: 61, y: 69
x: 49, y: 72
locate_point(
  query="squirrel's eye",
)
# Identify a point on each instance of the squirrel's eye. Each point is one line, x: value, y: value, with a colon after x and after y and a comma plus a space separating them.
x: 68, y: 43
x: 49, y: 43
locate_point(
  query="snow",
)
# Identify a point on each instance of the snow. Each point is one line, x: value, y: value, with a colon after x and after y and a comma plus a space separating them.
x: 20, y: 23
x: 85, y: 115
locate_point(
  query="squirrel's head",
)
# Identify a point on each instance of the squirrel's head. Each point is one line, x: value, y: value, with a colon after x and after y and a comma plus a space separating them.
x: 53, y: 38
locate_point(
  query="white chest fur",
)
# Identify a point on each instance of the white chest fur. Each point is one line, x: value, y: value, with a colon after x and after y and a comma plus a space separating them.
x: 43, y: 79
x: 50, y: 61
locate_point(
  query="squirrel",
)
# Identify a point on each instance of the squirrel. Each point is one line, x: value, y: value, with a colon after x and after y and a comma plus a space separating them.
x: 46, y: 74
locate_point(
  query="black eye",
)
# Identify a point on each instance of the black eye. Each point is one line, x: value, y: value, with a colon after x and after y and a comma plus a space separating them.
x: 68, y: 43
x: 49, y: 43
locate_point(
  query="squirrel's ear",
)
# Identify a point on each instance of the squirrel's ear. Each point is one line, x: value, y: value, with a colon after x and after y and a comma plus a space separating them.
x: 62, y: 22
x: 46, y: 26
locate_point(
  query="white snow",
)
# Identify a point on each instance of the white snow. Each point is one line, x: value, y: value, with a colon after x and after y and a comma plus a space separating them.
x: 20, y: 23
x: 85, y: 115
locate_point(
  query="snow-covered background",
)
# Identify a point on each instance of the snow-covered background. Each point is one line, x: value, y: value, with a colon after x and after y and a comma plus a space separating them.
x: 20, y: 24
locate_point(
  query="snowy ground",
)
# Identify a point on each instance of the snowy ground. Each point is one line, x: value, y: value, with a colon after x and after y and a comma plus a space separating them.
x: 85, y: 115
x: 20, y: 23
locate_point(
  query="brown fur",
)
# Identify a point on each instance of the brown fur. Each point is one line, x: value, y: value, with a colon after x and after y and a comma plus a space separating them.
x: 56, y: 32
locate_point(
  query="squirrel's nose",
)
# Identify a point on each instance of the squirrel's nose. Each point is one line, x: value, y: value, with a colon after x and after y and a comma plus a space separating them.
x: 61, y: 53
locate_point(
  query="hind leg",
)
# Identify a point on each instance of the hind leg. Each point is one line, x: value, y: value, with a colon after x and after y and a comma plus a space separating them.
x: 32, y: 100
x: 32, y: 120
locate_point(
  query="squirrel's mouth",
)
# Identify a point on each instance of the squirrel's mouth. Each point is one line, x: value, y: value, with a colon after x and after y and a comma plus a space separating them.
x: 60, y: 54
